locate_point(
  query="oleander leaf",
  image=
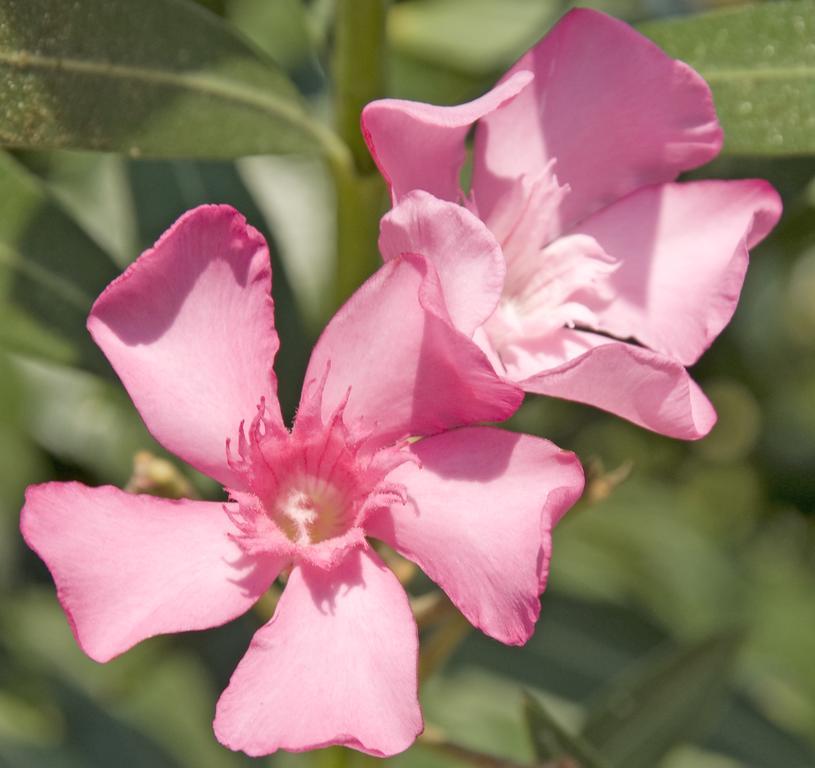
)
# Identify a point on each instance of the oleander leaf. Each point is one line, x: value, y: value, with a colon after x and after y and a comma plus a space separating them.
x: 760, y: 63
x: 158, y: 78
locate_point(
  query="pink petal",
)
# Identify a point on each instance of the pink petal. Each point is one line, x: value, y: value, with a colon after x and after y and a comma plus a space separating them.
x: 635, y: 383
x: 683, y: 254
x: 130, y: 567
x: 336, y: 665
x: 464, y: 252
x: 609, y: 106
x: 408, y: 371
x: 481, y: 506
x: 421, y: 146
x: 189, y: 328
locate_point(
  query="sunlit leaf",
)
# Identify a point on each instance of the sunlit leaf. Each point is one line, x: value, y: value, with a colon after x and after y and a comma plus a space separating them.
x: 760, y: 62
x: 153, y: 78
x: 661, y: 703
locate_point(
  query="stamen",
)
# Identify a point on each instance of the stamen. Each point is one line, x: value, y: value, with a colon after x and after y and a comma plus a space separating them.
x: 310, y: 490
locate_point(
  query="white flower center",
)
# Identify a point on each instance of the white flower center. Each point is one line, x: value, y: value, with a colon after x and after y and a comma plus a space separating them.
x: 311, y: 510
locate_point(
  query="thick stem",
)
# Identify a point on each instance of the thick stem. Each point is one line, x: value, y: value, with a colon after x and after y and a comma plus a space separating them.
x: 359, y: 70
x: 359, y: 77
x: 360, y: 205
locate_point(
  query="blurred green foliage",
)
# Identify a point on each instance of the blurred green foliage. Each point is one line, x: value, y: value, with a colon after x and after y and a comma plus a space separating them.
x: 677, y: 549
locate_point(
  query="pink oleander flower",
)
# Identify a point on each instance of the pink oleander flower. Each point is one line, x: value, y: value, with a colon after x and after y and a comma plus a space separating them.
x: 189, y: 328
x: 616, y: 277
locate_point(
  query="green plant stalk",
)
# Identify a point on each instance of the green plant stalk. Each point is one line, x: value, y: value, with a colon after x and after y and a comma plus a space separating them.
x: 359, y: 70
x: 360, y: 205
x: 359, y: 77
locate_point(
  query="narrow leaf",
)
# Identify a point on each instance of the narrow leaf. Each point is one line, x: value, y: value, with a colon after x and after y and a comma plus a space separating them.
x: 661, y: 703
x: 295, y: 196
x: 50, y: 271
x: 154, y: 78
x: 760, y: 62
x: 480, y: 37
x: 551, y: 741
x: 93, y: 188
x: 82, y: 419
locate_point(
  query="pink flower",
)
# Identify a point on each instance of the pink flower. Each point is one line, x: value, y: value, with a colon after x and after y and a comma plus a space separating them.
x: 616, y: 276
x: 190, y: 330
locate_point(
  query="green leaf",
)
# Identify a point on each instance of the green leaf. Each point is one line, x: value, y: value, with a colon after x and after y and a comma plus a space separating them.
x: 21, y: 722
x: 82, y: 419
x: 279, y: 28
x: 474, y: 36
x: 93, y: 188
x: 296, y: 198
x: 19, y: 332
x: 760, y: 62
x: 50, y: 272
x: 551, y: 741
x: 661, y: 702
x: 477, y: 710
x: 160, y: 78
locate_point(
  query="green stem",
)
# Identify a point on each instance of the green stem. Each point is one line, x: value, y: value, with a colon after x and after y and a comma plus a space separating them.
x: 360, y: 205
x: 359, y: 70
x: 359, y: 77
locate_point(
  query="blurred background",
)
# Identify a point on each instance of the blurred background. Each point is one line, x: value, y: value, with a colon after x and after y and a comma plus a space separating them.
x: 678, y: 627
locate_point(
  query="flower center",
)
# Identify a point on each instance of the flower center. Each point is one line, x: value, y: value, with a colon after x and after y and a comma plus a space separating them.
x: 306, y: 493
x: 310, y: 510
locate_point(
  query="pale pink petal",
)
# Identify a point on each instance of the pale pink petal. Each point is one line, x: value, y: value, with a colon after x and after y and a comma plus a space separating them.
x: 612, y: 110
x: 629, y: 381
x: 129, y: 567
x: 481, y: 506
x: 464, y: 252
x: 336, y: 665
x: 421, y: 146
x: 408, y: 371
x: 189, y: 328
x: 524, y: 220
x: 683, y: 253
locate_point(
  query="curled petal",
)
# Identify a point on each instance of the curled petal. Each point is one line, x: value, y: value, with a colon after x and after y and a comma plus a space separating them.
x: 421, y: 146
